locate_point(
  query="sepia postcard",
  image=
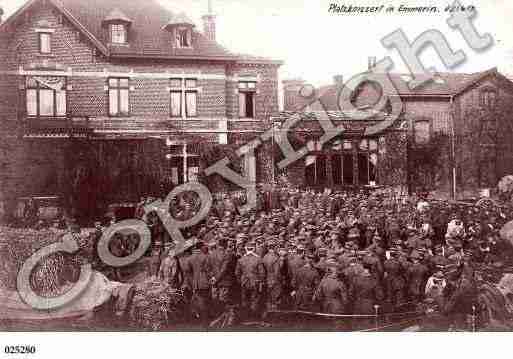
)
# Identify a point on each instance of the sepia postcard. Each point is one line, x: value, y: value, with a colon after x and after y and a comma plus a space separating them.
x: 255, y: 166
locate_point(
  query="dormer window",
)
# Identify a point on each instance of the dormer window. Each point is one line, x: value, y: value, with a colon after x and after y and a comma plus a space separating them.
x: 118, y: 34
x: 180, y: 27
x: 116, y: 25
x: 183, y: 37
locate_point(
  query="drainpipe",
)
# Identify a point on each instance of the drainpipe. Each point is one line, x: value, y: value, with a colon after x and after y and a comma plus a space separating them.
x: 453, y: 149
x: 272, y: 151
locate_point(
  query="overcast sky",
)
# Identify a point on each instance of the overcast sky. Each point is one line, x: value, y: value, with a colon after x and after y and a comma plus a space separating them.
x: 316, y: 45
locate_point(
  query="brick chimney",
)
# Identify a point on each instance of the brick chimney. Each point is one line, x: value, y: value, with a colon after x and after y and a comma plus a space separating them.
x: 296, y: 94
x: 209, y: 23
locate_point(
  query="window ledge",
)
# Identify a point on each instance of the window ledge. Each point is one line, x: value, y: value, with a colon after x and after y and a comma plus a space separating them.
x: 45, y: 55
x: 119, y: 45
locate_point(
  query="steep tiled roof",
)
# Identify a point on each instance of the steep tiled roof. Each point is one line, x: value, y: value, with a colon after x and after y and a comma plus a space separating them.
x: 117, y: 15
x: 180, y: 19
x: 146, y: 35
x: 443, y: 84
x: 446, y: 84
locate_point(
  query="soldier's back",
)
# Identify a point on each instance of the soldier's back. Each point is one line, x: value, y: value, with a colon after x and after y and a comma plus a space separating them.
x: 252, y: 269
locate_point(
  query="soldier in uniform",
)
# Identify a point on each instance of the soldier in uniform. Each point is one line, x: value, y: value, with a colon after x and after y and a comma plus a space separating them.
x: 366, y: 293
x: 216, y: 254
x: 96, y: 236
x: 225, y: 278
x: 305, y: 285
x: 437, y: 260
x: 200, y: 267
x: 251, y: 274
x: 417, y: 275
x: 297, y: 261
x: 332, y: 293
x: 395, y: 283
x: 170, y: 271
x: 278, y: 277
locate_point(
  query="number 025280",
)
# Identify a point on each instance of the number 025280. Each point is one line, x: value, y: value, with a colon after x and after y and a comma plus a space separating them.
x: 20, y: 349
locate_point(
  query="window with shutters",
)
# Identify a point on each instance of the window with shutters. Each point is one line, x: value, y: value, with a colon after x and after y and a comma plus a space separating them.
x: 247, y: 92
x: 119, y: 97
x: 46, y: 96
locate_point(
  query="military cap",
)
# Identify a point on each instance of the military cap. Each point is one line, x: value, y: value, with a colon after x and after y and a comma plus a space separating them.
x: 353, y: 233
x: 415, y: 254
x: 250, y: 244
x: 439, y: 275
x: 310, y: 255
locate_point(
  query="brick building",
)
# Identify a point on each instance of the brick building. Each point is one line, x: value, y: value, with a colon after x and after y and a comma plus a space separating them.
x: 454, y: 135
x: 108, y: 100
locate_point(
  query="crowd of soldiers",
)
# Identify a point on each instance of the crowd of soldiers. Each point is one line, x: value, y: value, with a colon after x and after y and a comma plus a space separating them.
x: 339, y: 253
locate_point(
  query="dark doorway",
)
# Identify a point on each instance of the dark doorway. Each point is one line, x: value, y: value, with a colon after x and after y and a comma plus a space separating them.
x: 336, y: 169
x: 321, y: 170
x: 347, y: 165
x: 363, y: 169
x: 315, y: 172
x: 249, y: 105
x: 310, y: 174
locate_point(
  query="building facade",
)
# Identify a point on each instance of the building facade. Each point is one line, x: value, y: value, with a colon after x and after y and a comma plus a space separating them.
x: 110, y: 100
x: 457, y: 128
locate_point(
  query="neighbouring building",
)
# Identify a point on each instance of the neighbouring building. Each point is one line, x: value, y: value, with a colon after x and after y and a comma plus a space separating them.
x: 453, y: 138
x: 109, y: 100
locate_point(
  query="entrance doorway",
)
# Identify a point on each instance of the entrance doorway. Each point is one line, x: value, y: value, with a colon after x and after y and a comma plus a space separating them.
x: 349, y: 162
x: 182, y: 166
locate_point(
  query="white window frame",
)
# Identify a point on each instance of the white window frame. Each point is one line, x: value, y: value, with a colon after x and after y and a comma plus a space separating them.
x: 247, y: 88
x: 116, y: 90
x: 188, y: 86
x: 55, y: 103
x: 118, y: 29
x: 41, y: 36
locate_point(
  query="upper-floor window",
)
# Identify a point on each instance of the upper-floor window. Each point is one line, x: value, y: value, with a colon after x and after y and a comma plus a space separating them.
x: 184, y: 98
x: 183, y: 37
x: 247, y: 92
x: 488, y: 98
x: 118, y: 34
x: 46, y: 96
x: 45, y: 42
x: 118, y: 97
